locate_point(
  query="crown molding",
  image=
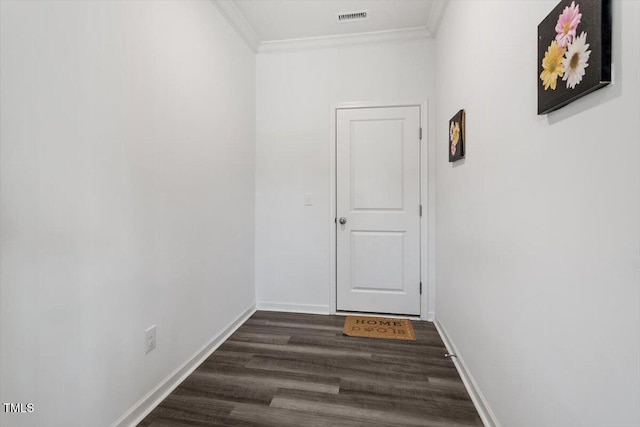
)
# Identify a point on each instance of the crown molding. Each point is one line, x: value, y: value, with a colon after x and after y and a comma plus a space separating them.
x: 438, y: 9
x: 235, y: 18
x: 347, y: 40
x: 229, y: 10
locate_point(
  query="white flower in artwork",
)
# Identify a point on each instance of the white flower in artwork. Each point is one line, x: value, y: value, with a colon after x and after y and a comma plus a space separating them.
x: 575, y: 60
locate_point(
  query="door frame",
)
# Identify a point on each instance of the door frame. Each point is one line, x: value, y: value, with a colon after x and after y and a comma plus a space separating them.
x: 427, y: 199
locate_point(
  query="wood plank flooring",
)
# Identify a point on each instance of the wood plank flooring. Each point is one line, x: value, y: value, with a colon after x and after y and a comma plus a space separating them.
x: 286, y: 369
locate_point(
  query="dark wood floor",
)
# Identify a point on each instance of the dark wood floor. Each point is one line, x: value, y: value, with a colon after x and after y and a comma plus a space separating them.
x: 285, y: 369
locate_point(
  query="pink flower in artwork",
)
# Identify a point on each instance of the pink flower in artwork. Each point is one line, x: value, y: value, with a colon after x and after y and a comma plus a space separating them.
x: 567, y: 24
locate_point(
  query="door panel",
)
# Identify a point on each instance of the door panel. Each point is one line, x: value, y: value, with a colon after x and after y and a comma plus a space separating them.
x: 378, y: 195
x: 376, y: 164
x: 377, y: 260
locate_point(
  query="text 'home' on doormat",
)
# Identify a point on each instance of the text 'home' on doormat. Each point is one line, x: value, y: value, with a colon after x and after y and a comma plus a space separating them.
x: 379, y: 327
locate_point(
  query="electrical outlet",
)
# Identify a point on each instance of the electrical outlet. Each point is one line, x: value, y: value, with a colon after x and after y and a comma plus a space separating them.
x: 150, y: 338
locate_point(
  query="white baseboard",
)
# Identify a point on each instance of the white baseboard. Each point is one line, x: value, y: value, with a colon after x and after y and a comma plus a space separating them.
x: 488, y: 417
x: 152, y: 399
x: 293, y: 308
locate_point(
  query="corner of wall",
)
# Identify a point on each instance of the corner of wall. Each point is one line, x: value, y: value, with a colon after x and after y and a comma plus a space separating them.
x: 148, y: 403
x: 482, y: 406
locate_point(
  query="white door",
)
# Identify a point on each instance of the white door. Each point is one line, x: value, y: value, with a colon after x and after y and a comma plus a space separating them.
x: 378, y: 209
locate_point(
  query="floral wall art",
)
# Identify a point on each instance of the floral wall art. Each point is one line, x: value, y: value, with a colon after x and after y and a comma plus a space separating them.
x: 456, y: 137
x: 574, y: 52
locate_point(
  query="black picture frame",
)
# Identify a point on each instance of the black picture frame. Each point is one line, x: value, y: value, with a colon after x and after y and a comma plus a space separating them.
x: 574, y: 52
x: 457, y: 136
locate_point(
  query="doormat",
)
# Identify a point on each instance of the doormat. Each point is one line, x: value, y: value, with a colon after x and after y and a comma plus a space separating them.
x: 379, y: 327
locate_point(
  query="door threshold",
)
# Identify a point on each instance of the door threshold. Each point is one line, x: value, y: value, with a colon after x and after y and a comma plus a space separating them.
x: 368, y: 314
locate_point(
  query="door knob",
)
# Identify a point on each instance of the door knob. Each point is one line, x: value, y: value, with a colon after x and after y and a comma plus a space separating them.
x: 343, y: 220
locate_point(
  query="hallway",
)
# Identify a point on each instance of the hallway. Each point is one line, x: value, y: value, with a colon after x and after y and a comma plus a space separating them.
x: 194, y: 189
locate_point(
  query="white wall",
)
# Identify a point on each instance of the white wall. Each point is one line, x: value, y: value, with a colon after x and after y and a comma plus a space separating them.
x: 295, y: 91
x: 127, y: 183
x: 538, y: 231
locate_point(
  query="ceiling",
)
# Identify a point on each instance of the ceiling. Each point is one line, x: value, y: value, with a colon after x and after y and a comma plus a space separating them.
x: 274, y: 20
x: 275, y: 25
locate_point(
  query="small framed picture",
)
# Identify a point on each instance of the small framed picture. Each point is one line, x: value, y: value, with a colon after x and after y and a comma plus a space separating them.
x: 456, y: 137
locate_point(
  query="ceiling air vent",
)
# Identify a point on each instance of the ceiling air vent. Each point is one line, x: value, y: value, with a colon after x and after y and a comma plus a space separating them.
x: 353, y: 16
